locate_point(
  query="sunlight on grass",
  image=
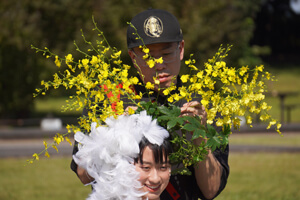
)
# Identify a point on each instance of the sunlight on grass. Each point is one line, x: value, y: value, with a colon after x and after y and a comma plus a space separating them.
x: 269, y: 139
x: 288, y: 81
x: 53, y: 105
x: 46, y: 179
x: 264, y: 176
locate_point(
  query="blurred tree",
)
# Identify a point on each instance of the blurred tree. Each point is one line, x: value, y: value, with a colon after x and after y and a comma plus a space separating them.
x: 52, y: 23
x: 56, y: 24
x: 277, y: 27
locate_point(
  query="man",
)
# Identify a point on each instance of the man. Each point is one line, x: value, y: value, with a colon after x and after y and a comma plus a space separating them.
x: 163, y: 37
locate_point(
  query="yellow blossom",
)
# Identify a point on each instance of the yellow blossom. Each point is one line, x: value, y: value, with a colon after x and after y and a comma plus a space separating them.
x: 204, y: 102
x: 85, y: 62
x: 159, y: 60
x: 36, y: 156
x: 149, y: 86
x: 156, y: 81
x: 151, y: 63
x: 68, y: 140
x: 145, y: 50
x: 57, y: 62
x: 166, y: 92
x: 47, y: 154
x: 260, y: 68
x: 94, y: 60
x: 54, y: 147
x: 130, y: 111
x: 184, y: 78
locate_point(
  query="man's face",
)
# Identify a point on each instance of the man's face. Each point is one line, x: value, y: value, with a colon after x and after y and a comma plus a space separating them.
x: 154, y: 177
x: 166, y: 72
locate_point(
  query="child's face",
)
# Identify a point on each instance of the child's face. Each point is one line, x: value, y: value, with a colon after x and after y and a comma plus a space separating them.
x: 154, y: 177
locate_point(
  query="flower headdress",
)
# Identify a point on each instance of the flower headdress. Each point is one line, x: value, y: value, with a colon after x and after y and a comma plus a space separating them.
x: 103, y: 85
x: 108, y: 153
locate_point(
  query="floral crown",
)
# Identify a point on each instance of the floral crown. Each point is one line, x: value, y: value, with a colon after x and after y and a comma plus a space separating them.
x: 102, y: 84
x: 108, y: 153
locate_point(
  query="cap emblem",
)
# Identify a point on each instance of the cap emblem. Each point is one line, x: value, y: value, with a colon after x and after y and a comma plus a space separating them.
x: 153, y: 26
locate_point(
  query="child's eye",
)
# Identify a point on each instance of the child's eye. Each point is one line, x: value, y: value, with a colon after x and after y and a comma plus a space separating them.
x: 145, y: 168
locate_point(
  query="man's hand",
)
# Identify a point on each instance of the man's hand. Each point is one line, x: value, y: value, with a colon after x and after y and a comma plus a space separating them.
x: 208, y: 172
x: 194, y: 108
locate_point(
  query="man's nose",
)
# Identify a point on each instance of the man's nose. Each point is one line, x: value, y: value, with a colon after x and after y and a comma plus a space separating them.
x: 160, y: 66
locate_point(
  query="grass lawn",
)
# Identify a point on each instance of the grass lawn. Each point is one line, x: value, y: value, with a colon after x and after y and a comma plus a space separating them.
x: 287, y: 81
x: 267, y: 139
x: 47, y: 179
x: 264, y: 176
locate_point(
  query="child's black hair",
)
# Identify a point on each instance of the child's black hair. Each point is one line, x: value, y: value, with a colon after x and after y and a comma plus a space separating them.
x: 160, y: 153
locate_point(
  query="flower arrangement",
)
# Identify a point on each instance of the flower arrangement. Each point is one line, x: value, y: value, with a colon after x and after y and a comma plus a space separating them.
x: 102, y: 84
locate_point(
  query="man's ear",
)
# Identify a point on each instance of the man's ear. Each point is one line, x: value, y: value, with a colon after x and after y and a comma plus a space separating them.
x: 181, y: 48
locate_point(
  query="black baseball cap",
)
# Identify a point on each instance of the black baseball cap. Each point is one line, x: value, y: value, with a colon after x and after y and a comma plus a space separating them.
x: 154, y: 26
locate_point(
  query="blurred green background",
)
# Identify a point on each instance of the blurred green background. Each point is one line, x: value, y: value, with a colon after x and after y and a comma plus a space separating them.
x: 261, y: 32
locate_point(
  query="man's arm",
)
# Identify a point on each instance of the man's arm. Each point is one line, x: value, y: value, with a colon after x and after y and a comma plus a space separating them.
x: 82, y: 174
x: 84, y: 177
x: 208, y: 173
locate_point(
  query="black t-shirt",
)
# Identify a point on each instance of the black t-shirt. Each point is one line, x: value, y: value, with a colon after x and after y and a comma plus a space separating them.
x: 181, y: 187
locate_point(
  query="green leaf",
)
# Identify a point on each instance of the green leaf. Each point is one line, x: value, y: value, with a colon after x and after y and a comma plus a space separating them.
x: 171, y: 124
x: 211, y: 131
x: 195, y: 120
x: 213, y: 142
x: 197, y: 133
x: 180, y: 120
x: 164, y: 110
x: 189, y: 127
x: 163, y: 118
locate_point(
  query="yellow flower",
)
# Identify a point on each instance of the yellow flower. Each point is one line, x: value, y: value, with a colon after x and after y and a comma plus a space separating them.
x: 249, y: 120
x: 260, y: 68
x: 58, y: 138
x: 184, y: 78
x: 187, y: 62
x: 134, y: 80
x: 85, y: 62
x: 166, y: 92
x: 204, y: 102
x: 208, y: 69
x: 156, y: 81
x: 170, y: 99
x: 68, y: 140
x: 145, y: 50
x: 243, y: 70
x: 151, y: 63
x: 94, y: 60
x: 145, y: 56
x: 130, y: 111
x: 45, y: 144
x: 47, y: 154
x: 149, y: 86
x: 54, y: 147
x: 159, y: 60
x: 57, y: 62
x: 182, y: 91
x: 36, y: 156
x: 219, y: 122
x: 69, y: 58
